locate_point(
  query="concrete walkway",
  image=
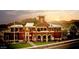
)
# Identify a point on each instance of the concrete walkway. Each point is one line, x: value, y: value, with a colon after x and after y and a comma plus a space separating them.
x: 53, y: 45
x: 31, y: 43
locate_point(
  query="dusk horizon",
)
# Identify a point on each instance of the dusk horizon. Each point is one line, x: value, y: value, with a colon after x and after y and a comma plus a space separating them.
x: 7, y: 16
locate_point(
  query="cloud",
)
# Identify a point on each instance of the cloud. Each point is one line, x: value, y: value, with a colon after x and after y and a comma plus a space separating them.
x: 7, y: 16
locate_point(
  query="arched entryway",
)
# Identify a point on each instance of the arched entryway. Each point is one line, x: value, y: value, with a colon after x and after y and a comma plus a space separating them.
x: 49, y: 37
x: 44, y: 38
x: 39, y: 38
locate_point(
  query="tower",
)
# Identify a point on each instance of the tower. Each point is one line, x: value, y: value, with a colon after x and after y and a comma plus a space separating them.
x: 41, y: 18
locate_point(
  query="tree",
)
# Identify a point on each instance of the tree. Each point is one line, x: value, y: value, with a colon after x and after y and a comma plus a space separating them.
x: 73, y: 32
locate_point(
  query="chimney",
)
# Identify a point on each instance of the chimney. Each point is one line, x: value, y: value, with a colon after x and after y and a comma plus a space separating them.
x: 41, y: 18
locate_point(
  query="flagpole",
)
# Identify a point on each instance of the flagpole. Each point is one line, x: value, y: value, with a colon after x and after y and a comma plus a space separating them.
x: 14, y: 32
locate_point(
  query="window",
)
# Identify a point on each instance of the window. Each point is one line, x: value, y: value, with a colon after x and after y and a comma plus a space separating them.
x: 16, y: 29
x: 52, y: 29
x: 49, y: 37
x: 16, y: 36
x: 21, y: 29
x: 39, y: 37
x: 12, y: 29
x: 41, y: 29
x: 44, y: 29
x: 44, y: 37
x: 6, y: 37
x: 38, y: 29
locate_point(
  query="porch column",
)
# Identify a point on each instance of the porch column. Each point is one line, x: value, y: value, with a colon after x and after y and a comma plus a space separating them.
x: 14, y: 37
x: 28, y: 37
x: 25, y: 35
x: 46, y: 38
x: 41, y: 38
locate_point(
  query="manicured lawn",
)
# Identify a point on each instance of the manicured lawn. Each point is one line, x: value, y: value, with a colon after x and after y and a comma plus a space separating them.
x: 42, y: 43
x: 16, y: 46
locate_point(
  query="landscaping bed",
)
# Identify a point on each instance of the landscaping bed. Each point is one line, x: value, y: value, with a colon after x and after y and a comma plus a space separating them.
x: 20, y: 45
x: 42, y: 43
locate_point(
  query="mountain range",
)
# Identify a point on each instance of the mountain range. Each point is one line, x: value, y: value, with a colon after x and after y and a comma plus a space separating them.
x: 34, y: 20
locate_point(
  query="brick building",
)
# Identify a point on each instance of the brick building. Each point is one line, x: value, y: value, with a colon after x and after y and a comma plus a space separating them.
x: 41, y: 31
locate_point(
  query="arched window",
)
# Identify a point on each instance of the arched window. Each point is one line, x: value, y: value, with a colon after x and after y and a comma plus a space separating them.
x: 38, y: 29
x: 39, y: 37
x: 44, y: 37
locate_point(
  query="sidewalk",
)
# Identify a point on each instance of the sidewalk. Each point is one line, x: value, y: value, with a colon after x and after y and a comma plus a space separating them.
x: 31, y: 43
x: 51, y: 44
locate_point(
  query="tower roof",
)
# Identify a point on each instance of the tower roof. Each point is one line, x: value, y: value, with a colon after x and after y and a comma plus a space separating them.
x: 42, y: 22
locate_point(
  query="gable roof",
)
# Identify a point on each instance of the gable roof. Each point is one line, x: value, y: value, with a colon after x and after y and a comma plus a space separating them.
x: 29, y: 25
x: 54, y: 25
x: 17, y: 26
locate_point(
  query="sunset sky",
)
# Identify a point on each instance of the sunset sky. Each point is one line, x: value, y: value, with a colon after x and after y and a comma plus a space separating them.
x: 7, y: 16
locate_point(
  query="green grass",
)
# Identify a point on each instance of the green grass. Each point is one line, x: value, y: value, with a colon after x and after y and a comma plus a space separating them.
x: 16, y: 46
x: 42, y: 43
